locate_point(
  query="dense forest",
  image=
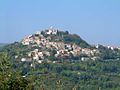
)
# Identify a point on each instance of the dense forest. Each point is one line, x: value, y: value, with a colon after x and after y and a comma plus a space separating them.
x: 79, y: 75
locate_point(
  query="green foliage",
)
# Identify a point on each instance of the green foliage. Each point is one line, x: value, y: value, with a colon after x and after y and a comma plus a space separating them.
x: 87, y: 75
x: 108, y: 53
x: 75, y: 39
x: 10, y: 79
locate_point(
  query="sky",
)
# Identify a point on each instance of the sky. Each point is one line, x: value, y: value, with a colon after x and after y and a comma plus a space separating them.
x: 96, y: 21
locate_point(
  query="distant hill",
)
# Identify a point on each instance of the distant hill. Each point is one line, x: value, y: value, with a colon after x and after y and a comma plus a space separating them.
x: 2, y: 44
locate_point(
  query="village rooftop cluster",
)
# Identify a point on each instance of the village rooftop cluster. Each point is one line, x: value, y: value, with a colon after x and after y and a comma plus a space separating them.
x: 61, y: 49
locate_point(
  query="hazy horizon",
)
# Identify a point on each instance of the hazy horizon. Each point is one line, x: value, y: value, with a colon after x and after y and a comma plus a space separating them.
x: 96, y: 21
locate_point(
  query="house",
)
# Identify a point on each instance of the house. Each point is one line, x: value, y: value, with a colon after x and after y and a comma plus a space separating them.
x: 84, y: 58
x: 29, y: 54
x: 38, y: 42
x: 56, y: 55
x: 76, y: 52
x: 54, y: 61
x: 40, y: 54
x: 61, y: 51
x: 26, y: 59
x: 109, y: 47
x: 68, y: 47
x: 73, y: 53
x: 36, y: 50
x: 40, y: 61
x: 25, y: 42
x: 54, y: 32
x: 23, y: 59
x: 86, y: 51
x: 36, y: 57
x: 51, y: 31
x: 16, y: 57
x: 97, y: 46
x: 23, y: 76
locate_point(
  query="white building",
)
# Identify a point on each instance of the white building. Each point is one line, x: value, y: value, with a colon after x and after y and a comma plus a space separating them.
x: 40, y: 54
x: 51, y: 31
x: 40, y: 61
x: 23, y: 59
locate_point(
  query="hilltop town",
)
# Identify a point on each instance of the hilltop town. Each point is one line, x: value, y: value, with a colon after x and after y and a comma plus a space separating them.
x: 52, y: 58
x: 52, y: 45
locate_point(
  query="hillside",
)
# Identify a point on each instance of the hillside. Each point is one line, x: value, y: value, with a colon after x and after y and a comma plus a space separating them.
x: 55, y: 45
x: 57, y: 60
x: 2, y: 44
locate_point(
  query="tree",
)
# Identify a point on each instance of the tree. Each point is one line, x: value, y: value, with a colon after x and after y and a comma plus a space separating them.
x: 10, y: 79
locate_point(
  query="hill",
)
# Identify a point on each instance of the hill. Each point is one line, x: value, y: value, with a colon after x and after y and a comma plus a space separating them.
x: 55, y: 45
x: 57, y: 60
x: 2, y: 44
